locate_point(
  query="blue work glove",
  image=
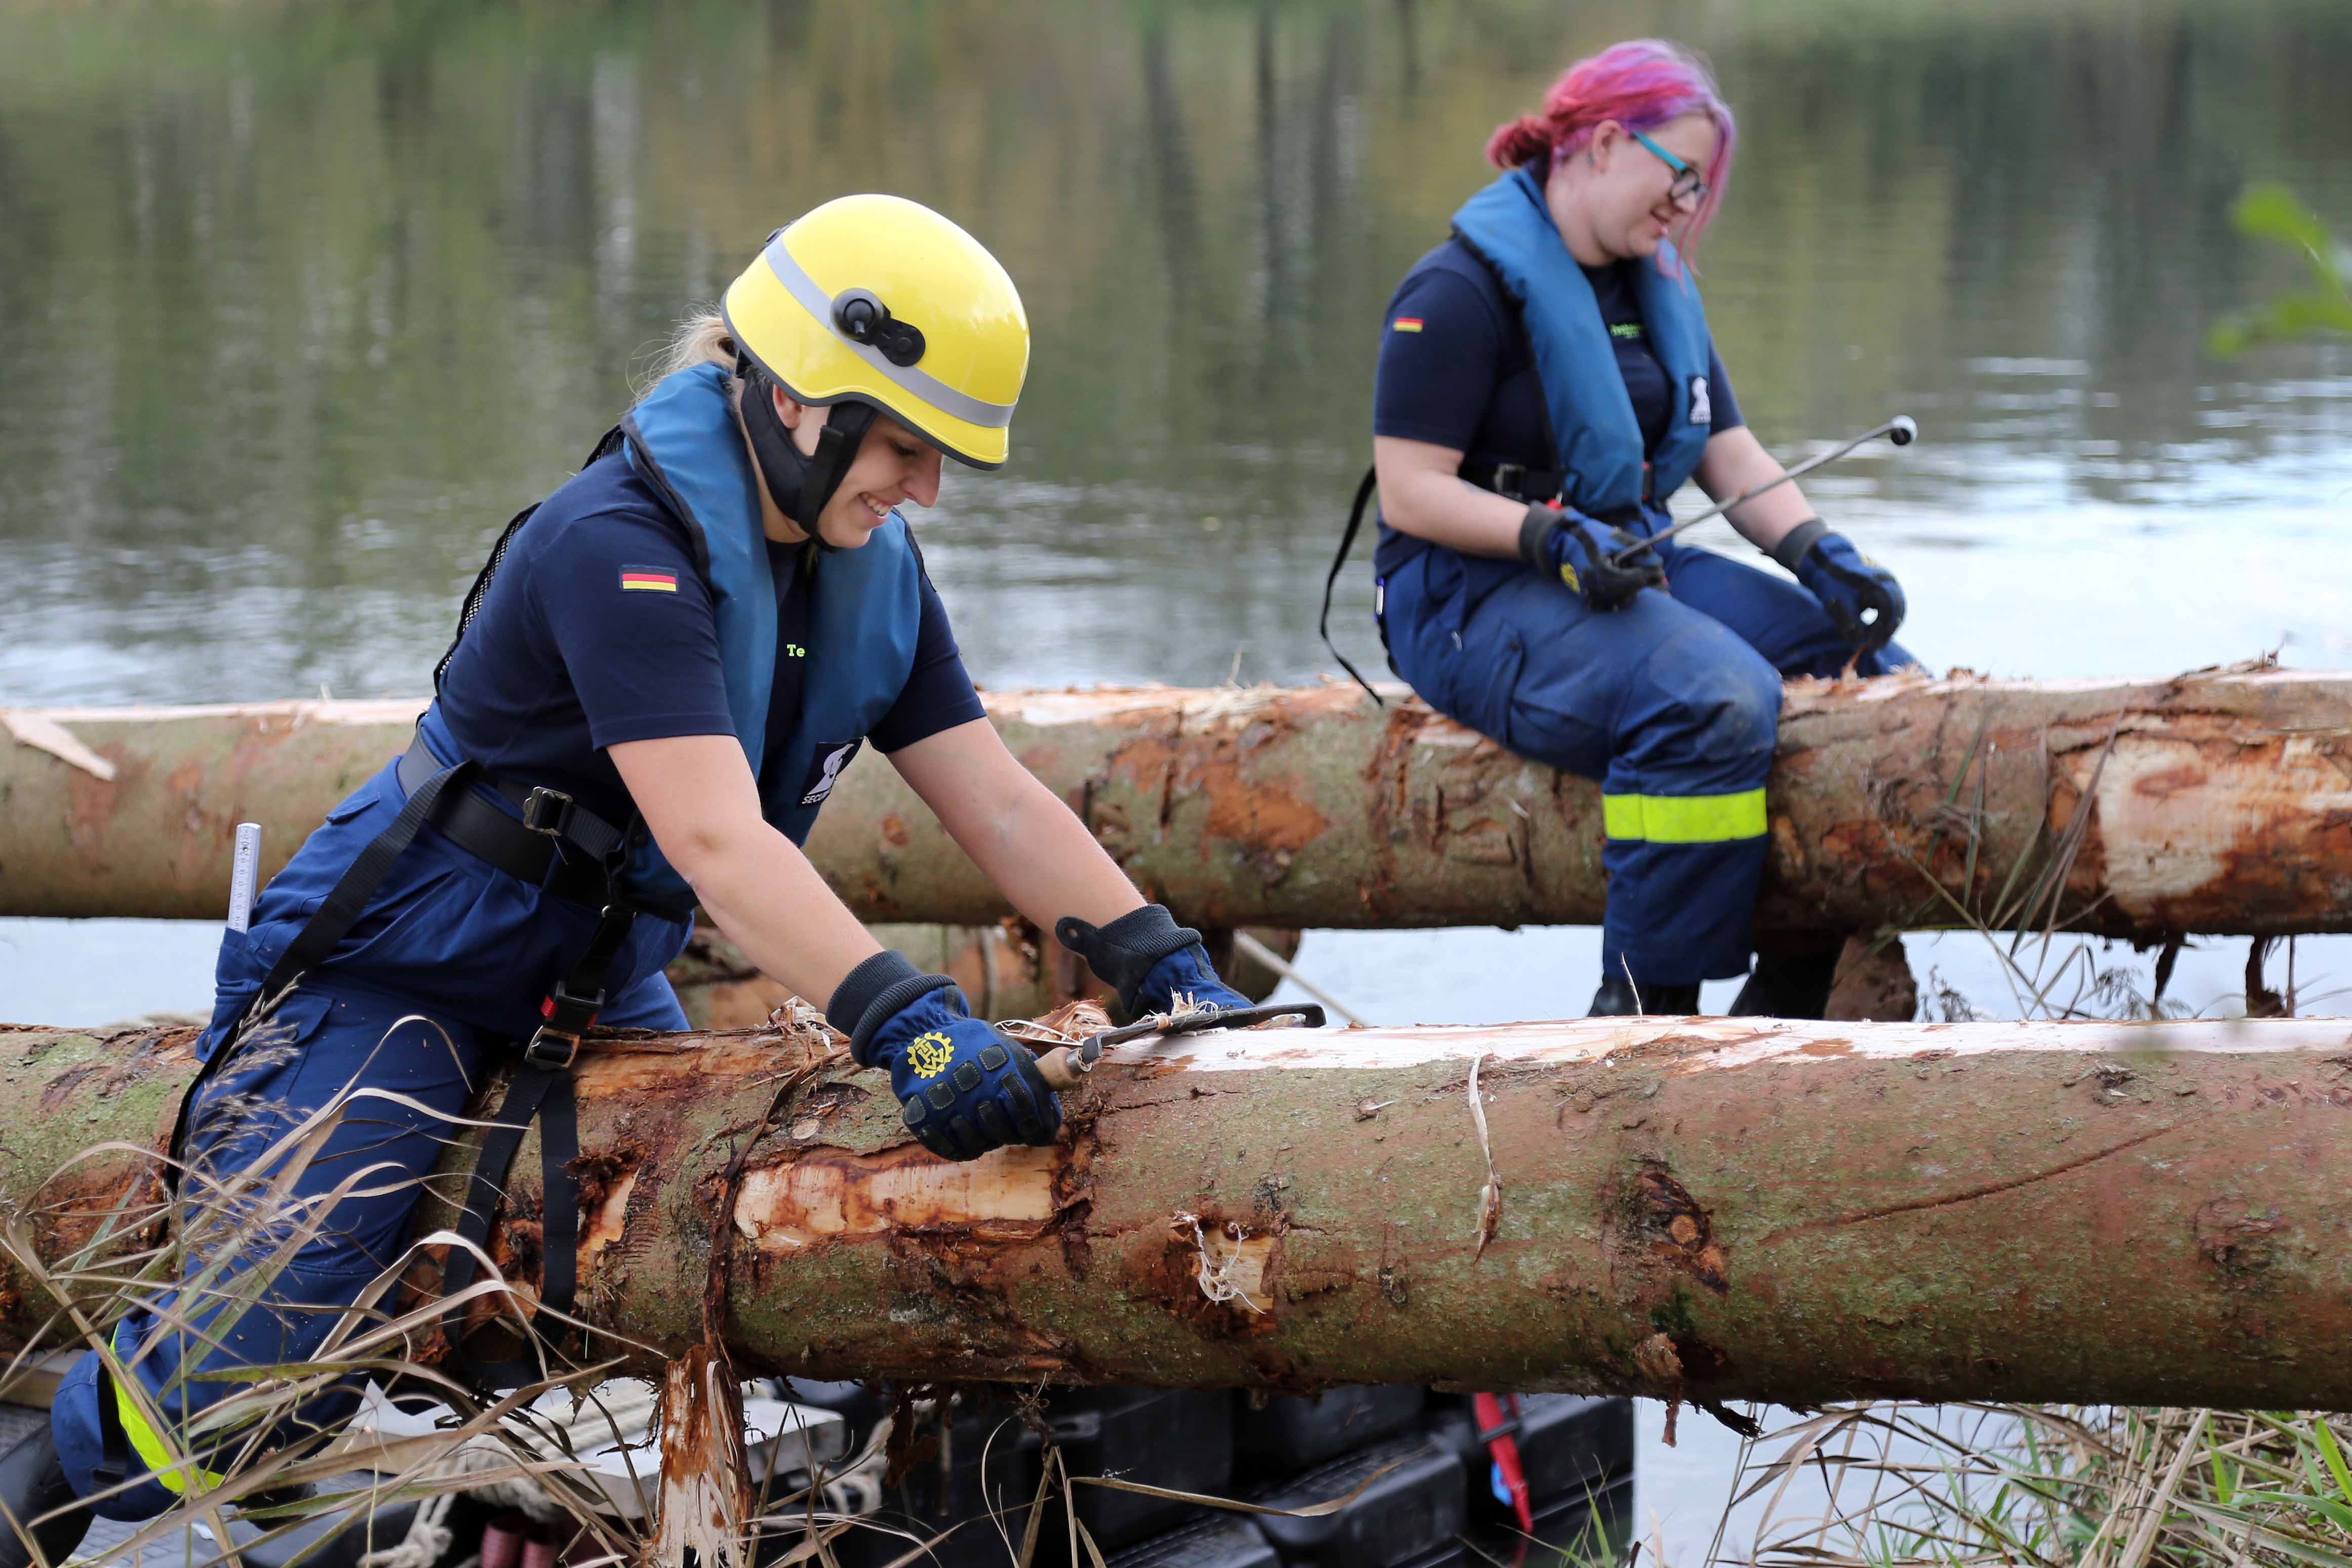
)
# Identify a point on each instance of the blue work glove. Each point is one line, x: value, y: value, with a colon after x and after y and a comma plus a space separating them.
x: 1577, y: 549
x: 1149, y: 960
x: 1861, y: 595
x: 963, y: 1089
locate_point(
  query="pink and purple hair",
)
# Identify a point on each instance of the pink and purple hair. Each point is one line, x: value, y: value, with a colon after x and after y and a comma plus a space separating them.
x: 1640, y: 84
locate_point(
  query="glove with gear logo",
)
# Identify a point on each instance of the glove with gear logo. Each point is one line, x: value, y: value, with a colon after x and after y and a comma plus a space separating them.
x: 1580, y: 551
x: 963, y: 1089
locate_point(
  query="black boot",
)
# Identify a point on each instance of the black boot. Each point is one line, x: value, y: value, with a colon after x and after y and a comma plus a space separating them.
x: 1616, y: 999
x: 1788, y: 985
x: 32, y: 1482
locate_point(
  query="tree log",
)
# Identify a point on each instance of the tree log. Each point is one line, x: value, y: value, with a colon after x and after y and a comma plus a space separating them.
x: 2151, y: 1213
x: 1009, y: 969
x: 2217, y: 802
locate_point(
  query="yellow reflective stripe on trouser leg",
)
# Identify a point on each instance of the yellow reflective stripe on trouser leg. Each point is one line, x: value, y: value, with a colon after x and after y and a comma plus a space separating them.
x: 170, y: 1474
x: 1685, y: 819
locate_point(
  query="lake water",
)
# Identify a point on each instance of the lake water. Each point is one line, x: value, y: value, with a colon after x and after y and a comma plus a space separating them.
x: 298, y: 304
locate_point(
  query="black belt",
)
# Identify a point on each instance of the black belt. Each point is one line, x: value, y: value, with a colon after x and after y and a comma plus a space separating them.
x: 1516, y: 480
x: 524, y: 849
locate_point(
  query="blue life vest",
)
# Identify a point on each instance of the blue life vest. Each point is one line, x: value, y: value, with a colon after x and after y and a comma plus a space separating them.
x: 867, y: 611
x: 1509, y: 226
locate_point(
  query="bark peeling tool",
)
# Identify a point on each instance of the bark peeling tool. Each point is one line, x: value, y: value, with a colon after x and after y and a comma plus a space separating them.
x: 1066, y: 1067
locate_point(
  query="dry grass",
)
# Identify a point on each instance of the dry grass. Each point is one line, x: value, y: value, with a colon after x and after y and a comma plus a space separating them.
x: 226, y: 1240
x: 1891, y: 1484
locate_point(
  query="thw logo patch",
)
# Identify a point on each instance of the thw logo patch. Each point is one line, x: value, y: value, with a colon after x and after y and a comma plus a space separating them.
x: 826, y: 771
x: 931, y: 1054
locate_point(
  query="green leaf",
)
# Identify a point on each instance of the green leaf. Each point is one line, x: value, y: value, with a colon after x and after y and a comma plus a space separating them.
x: 2333, y: 1455
x: 2273, y: 213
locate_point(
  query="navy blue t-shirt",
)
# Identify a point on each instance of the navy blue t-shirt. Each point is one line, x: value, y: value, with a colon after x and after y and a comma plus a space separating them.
x: 599, y: 628
x: 1455, y: 370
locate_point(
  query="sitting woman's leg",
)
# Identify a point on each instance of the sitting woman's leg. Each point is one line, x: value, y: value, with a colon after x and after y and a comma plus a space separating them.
x: 1786, y: 624
x: 1677, y: 716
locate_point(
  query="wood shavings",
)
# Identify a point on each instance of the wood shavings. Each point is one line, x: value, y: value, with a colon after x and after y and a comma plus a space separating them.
x: 1217, y: 1281
x: 43, y: 733
x: 1028, y: 1029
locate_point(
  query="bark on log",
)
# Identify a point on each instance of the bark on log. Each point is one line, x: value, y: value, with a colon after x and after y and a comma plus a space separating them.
x: 2220, y: 801
x: 2151, y: 1213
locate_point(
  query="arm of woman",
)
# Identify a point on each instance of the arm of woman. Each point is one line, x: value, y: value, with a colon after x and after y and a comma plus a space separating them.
x: 1019, y: 833
x: 1423, y: 494
x: 698, y: 800
x: 1736, y: 460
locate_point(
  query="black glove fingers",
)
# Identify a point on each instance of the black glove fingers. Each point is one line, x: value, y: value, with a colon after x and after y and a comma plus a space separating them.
x: 1035, y: 1109
x: 970, y: 1145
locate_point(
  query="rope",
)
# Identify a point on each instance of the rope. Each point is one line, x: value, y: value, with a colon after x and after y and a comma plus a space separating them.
x: 429, y: 1535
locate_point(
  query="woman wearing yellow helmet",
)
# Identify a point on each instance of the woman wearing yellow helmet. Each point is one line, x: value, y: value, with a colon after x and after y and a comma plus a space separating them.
x: 656, y: 681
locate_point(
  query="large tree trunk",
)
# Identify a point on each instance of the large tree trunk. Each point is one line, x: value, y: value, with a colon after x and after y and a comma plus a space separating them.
x: 2151, y: 1213
x: 2218, y: 802
x: 1012, y: 969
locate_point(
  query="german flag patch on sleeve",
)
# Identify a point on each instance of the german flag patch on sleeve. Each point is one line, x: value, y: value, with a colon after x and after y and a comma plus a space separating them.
x: 1405, y: 324
x: 648, y: 579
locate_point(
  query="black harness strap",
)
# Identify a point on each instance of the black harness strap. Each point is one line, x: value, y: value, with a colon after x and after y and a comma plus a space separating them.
x: 541, y: 1092
x: 1338, y: 565
x: 1515, y: 481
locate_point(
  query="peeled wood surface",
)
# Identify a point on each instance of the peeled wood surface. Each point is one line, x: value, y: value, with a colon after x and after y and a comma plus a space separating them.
x: 2219, y: 801
x: 2151, y: 1213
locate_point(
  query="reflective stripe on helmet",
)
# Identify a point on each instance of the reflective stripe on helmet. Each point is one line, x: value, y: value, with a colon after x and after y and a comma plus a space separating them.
x: 804, y: 289
x: 169, y: 1473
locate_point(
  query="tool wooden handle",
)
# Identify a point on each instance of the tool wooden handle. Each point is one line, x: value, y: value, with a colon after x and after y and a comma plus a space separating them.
x: 1059, y: 1068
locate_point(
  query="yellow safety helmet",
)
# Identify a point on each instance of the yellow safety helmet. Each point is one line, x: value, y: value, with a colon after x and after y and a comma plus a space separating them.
x: 880, y: 299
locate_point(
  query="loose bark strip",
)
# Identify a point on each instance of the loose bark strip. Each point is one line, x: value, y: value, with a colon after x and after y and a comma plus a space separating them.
x: 2218, y: 802
x: 2148, y: 1214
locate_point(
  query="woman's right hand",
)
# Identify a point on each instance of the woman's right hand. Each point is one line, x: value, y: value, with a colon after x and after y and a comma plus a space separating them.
x: 961, y: 1087
x: 1602, y: 566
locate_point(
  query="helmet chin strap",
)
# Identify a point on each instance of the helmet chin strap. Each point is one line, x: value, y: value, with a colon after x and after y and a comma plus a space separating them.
x: 801, y: 483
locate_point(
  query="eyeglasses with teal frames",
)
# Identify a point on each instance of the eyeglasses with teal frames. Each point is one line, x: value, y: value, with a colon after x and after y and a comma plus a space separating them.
x: 1687, y: 186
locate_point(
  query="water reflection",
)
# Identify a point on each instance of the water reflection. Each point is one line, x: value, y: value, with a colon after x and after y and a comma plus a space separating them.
x: 297, y: 304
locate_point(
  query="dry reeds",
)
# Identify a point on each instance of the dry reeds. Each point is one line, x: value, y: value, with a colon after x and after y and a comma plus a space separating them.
x: 1891, y: 1484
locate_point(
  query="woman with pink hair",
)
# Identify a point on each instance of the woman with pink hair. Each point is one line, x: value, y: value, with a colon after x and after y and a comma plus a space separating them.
x: 1546, y: 383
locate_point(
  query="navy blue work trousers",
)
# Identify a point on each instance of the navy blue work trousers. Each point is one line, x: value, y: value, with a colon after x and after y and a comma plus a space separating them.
x: 1672, y: 702
x: 448, y: 964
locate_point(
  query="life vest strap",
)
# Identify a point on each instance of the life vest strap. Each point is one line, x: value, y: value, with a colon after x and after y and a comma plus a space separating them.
x: 1513, y: 481
x: 1338, y: 563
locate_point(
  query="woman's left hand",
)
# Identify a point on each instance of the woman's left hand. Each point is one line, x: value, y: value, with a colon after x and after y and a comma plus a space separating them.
x: 1862, y: 596
x: 1150, y: 961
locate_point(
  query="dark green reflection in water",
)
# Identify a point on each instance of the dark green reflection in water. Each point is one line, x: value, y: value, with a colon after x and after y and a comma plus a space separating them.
x: 298, y: 302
